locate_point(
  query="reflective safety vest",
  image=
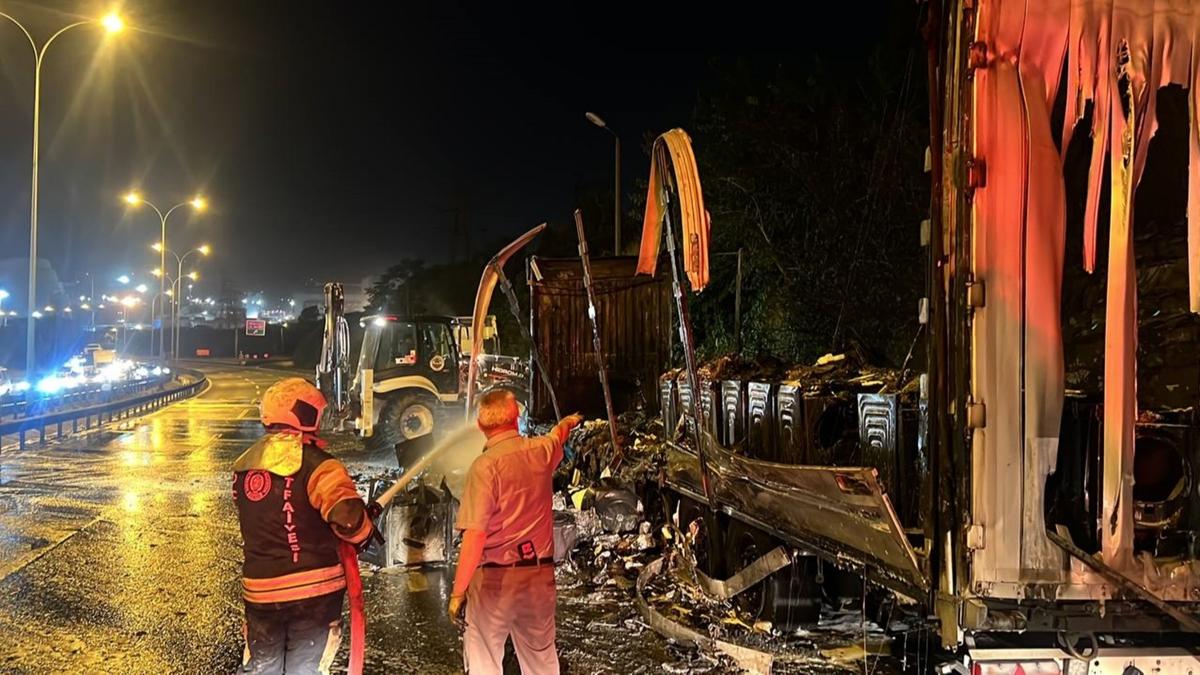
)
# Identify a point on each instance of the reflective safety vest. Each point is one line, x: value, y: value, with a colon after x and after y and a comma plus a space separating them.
x: 284, y: 490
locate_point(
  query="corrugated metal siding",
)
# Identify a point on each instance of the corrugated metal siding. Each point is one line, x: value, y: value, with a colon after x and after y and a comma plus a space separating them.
x: 635, y: 333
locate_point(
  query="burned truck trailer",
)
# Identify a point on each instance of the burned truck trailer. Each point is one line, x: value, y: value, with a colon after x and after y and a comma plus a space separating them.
x: 1038, y: 502
x: 634, y: 314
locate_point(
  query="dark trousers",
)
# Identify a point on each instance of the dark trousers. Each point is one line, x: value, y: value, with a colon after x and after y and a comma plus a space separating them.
x: 297, y: 638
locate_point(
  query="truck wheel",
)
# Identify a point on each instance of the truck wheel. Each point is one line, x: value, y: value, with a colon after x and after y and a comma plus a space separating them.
x: 405, y: 418
x: 789, y: 598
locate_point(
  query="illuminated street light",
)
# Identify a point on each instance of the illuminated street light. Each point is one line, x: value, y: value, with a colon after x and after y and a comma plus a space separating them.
x: 156, y: 272
x: 198, y: 203
x: 111, y: 24
x: 124, y: 279
x: 130, y: 301
x: 48, y: 308
x: 157, y: 246
x: 67, y: 310
x: 37, y: 315
x: 142, y: 288
x: 204, y: 250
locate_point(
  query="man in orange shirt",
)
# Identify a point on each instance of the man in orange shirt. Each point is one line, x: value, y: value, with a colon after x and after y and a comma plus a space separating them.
x: 505, y: 570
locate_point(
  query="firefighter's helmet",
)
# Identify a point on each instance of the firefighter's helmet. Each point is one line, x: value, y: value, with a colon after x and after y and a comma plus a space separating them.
x: 294, y: 403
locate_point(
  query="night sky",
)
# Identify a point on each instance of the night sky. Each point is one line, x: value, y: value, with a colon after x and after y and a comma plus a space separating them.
x: 333, y: 139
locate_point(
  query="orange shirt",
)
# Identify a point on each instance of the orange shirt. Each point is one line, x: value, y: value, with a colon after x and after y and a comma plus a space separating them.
x: 508, y: 495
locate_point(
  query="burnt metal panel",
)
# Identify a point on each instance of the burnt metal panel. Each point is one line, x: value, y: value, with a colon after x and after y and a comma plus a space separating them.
x: 684, y: 390
x: 733, y: 412
x: 841, y: 512
x: 668, y: 402
x: 634, y: 313
x: 710, y: 408
x: 789, y: 419
x: 878, y: 430
x: 761, y: 427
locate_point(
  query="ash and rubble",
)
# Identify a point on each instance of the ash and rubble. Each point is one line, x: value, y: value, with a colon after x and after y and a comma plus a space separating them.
x: 611, y: 521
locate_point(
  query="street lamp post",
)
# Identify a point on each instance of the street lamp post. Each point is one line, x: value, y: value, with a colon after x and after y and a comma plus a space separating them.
x: 598, y: 121
x: 199, y: 204
x: 3, y: 316
x: 176, y: 286
x: 111, y: 24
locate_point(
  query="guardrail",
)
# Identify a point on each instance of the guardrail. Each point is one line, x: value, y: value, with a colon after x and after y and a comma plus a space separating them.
x: 101, y: 414
x: 32, y: 404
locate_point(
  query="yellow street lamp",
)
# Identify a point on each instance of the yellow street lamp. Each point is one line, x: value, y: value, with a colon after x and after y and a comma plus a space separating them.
x: 204, y: 249
x: 111, y: 23
x: 157, y: 246
x: 198, y: 203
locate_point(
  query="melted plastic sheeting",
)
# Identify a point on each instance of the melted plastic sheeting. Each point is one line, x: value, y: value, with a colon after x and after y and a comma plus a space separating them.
x: 839, y: 511
x: 1117, y: 55
x: 676, y: 146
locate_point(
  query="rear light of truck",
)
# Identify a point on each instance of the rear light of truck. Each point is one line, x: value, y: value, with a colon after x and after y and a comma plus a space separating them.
x: 1017, y: 668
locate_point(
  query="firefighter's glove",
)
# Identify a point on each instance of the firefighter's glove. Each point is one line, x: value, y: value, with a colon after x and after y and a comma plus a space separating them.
x: 374, y: 510
x: 456, y: 611
x: 374, y: 537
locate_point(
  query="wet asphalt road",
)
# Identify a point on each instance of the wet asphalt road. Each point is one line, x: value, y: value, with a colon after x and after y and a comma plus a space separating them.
x: 120, y: 553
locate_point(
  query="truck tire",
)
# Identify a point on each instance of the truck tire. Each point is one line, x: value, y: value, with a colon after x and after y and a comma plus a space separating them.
x: 403, y: 418
x: 789, y: 598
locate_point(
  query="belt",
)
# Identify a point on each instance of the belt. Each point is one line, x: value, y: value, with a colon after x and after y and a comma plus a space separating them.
x: 532, y: 562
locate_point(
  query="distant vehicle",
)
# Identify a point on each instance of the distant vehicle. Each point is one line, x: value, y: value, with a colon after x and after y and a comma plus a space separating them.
x: 96, y: 355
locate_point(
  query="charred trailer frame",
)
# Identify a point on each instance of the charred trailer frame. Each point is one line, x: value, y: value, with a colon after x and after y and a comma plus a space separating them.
x: 636, y: 339
x: 1007, y: 455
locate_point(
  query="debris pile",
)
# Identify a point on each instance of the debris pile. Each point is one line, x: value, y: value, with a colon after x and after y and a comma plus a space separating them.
x: 830, y: 374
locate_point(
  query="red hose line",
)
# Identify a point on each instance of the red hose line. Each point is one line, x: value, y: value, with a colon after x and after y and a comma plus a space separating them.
x: 358, y: 619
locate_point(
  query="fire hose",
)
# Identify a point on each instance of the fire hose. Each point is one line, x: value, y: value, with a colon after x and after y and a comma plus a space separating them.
x: 358, y: 618
x: 349, y: 558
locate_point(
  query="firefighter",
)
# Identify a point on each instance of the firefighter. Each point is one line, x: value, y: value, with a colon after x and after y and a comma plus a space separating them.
x: 295, y: 503
x: 505, y: 573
